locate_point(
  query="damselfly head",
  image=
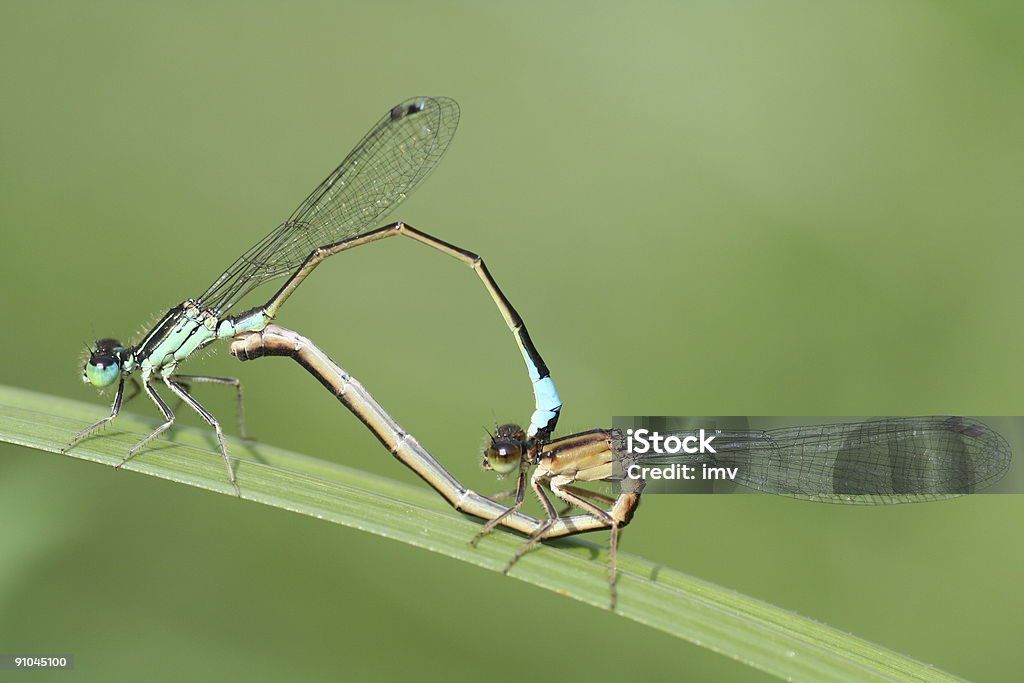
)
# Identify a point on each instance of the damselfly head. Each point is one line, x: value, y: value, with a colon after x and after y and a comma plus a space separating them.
x: 504, y: 452
x: 104, y: 365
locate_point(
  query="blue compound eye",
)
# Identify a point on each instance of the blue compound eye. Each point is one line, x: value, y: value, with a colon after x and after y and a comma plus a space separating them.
x: 102, y: 371
x: 104, y: 364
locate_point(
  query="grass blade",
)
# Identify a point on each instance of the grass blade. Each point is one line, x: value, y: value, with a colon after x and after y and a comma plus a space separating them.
x: 763, y: 636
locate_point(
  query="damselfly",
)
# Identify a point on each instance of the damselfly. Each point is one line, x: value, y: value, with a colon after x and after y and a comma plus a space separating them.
x: 387, y: 164
x: 897, y: 460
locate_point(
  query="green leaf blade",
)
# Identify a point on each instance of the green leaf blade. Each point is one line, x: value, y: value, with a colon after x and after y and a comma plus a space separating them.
x: 760, y: 635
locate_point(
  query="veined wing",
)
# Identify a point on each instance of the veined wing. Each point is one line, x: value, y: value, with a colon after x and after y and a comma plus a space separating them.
x: 380, y: 172
x: 894, y: 460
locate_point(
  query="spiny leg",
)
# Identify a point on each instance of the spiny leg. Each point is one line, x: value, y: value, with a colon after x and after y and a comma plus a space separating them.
x: 114, y: 410
x: 207, y: 379
x: 205, y: 414
x: 584, y: 493
x: 587, y: 494
x: 577, y: 497
x: 520, y: 496
x: 168, y: 421
x: 537, y: 482
x: 613, y: 574
x: 548, y: 403
x: 178, y: 401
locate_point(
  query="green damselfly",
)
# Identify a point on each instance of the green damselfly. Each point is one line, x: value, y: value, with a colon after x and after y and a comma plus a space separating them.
x: 387, y: 164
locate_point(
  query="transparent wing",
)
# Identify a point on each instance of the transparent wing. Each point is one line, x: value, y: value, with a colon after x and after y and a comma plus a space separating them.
x: 386, y: 165
x: 895, y: 460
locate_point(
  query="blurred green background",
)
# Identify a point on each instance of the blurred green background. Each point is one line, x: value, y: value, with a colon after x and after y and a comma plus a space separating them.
x: 760, y: 208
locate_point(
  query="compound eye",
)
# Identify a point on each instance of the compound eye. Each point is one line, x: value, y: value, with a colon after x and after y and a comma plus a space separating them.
x: 102, y: 369
x: 504, y: 453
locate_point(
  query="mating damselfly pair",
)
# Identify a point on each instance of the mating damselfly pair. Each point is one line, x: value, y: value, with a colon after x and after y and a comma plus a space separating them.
x: 387, y: 164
